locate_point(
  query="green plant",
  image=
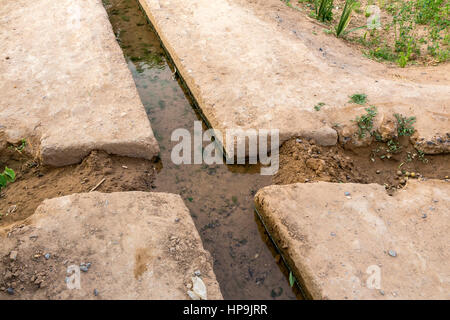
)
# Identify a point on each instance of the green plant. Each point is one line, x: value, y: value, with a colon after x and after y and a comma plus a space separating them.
x: 393, y: 146
x: 358, y: 98
x: 324, y: 10
x: 405, y: 125
x: 413, y: 24
x: 8, y: 175
x: 345, y: 17
x: 19, y: 148
x: 22, y: 145
x: 318, y: 106
x: 404, y: 57
x: 291, y: 279
x: 421, y: 156
x: 365, y: 122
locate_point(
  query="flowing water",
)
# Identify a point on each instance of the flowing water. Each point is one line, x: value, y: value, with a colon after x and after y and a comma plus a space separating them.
x: 219, y: 197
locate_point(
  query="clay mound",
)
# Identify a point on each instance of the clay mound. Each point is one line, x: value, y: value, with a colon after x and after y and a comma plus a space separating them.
x: 125, y: 245
x: 338, y: 238
x: 64, y: 83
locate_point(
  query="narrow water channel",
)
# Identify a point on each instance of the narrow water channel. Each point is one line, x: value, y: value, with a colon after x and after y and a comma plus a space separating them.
x: 219, y: 197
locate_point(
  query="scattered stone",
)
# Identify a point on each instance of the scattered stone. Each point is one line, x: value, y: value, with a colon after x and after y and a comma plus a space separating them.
x: 198, y: 288
x: 10, y: 291
x: 299, y: 140
x: 85, y: 266
x: 392, y: 253
x: 347, y: 193
x: 424, y: 216
x: 407, y: 173
x: 13, y: 255
x: 333, y: 234
x: 197, y: 273
x: 192, y: 295
x: 47, y: 256
x: 95, y: 292
x: 399, y: 173
x: 12, y: 209
x: 276, y: 292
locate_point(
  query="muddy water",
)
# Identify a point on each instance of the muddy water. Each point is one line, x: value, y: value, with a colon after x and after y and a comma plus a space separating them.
x: 219, y: 197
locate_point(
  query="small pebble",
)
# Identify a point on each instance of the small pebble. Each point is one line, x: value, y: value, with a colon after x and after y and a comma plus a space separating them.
x: 197, y: 273
x: 13, y: 255
x: 85, y: 267
x: 392, y: 253
x: 378, y: 171
x: 399, y: 173
x: 10, y: 291
x: 424, y: 216
x: 407, y: 173
x: 95, y: 292
x: 347, y: 193
x: 299, y: 140
x: 47, y: 256
x: 333, y: 234
x: 413, y: 174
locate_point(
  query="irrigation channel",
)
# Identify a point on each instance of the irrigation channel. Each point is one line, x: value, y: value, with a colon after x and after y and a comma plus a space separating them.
x: 219, y: 197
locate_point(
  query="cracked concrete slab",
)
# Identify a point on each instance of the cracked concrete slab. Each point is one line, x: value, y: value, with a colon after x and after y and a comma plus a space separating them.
x: 64, y: 83
x: 128, y: 245
x: 262, y: 65
x: 352, y: 241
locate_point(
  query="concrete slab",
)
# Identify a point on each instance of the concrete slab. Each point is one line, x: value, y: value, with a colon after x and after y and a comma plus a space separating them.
x: 135, y: 245
x: 260, y: 64
x: 64, y: 83
x: 337, y: 245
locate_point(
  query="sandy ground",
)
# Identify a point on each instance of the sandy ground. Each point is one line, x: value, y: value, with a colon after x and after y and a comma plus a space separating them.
x: 126, y: 245
x: 259, y: 64
x: 353, y: 241
x: 64, y: 83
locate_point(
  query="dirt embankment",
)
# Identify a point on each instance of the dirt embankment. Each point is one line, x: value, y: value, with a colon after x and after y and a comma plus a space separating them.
x: 35, y: 182
x: 303, y: 161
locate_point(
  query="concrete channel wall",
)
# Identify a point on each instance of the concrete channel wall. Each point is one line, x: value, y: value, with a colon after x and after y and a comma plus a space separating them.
x: 260, y: 65
x: 65, y: 85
